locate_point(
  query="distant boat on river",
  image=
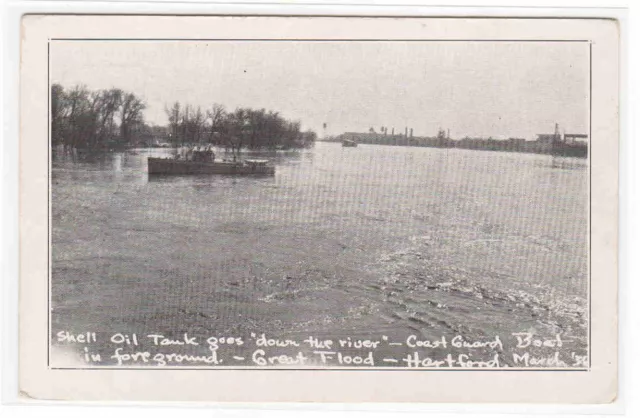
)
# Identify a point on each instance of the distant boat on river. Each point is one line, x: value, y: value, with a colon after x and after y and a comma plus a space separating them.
x: 349, y: 143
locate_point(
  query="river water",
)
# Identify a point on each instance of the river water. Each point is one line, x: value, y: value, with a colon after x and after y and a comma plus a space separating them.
x: 353, y: 242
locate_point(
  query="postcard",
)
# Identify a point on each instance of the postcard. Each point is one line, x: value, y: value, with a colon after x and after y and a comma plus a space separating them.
x: 318, y: 209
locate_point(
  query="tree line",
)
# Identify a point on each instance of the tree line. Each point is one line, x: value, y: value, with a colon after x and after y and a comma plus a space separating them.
x: 81, y: 118
x: 235, y: 130
x: 113, y: 118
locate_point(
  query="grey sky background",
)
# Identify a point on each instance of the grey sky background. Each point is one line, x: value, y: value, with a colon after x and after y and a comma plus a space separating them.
x: 498, y: 89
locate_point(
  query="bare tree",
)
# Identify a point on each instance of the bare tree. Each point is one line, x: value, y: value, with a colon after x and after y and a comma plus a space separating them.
x: 80, y: 118
x: 59, y: 113
x: 237, y: 125
x: 130, y: 114
x: 109, y: 101
x: 217, y: 115
x: 173, y: 115
x: 196, y: 126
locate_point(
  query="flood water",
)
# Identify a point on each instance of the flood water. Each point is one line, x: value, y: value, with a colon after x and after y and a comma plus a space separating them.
x: 342, y: 241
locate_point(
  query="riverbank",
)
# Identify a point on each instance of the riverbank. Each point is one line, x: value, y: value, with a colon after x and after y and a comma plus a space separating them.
x: 558, y: 148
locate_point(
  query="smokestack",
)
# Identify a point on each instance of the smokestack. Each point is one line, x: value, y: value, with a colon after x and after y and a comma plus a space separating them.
x: 411, y: 133
x: 405, y: 131
x: 393, y: 131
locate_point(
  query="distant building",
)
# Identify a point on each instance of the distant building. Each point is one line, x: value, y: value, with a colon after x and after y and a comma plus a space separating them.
x: 571, y: 145
x: 547, y: 138
x: 571, y: 138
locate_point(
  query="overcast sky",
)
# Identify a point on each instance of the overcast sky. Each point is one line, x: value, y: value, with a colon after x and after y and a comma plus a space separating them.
x: 486, y: 89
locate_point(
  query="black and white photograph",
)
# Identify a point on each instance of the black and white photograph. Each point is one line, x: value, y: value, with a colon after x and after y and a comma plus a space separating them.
x: 319, y: 204
x: 318, y: 209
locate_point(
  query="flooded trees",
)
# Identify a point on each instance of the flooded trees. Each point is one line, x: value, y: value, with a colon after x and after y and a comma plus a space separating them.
x: 113, y: 118
x: 242, y: 128
x: 86, y: 119
x: 186, y: 125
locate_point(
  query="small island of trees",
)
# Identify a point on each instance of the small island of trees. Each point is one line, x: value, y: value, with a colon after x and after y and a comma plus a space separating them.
x: 113, y: 119
x: 248, y: 128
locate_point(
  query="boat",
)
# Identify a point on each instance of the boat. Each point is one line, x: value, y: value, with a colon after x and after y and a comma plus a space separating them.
x: 174, y: 166
x: 203, y: 162
x: 349, y: 143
